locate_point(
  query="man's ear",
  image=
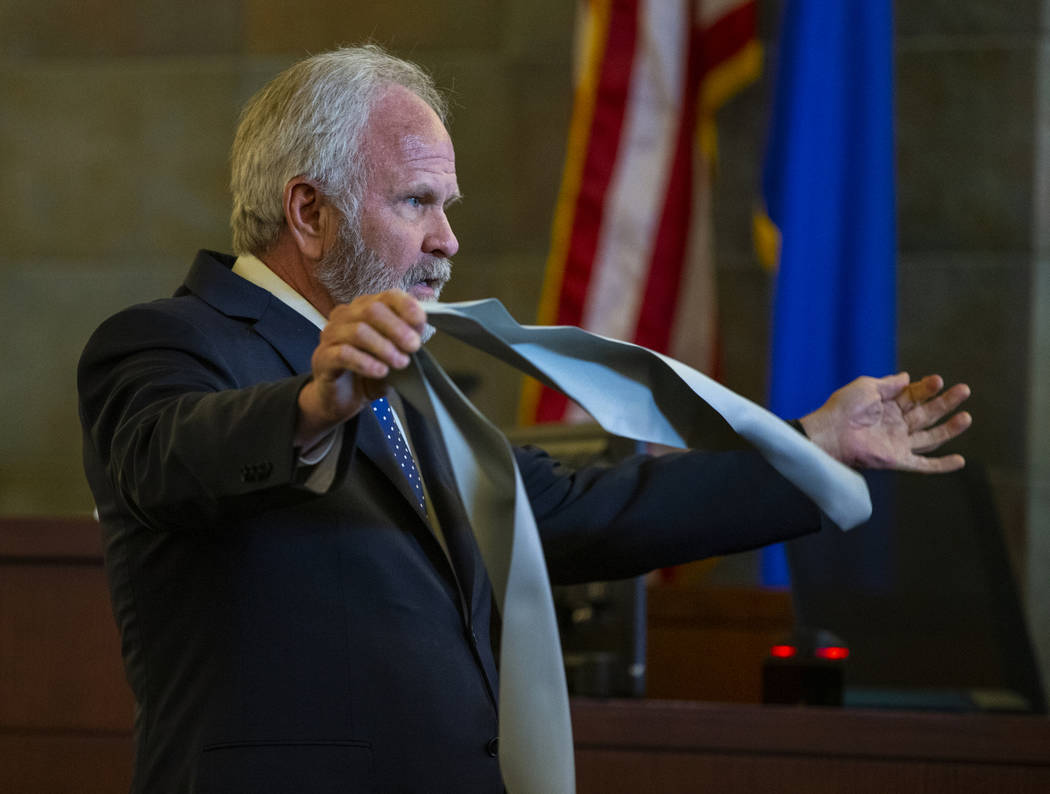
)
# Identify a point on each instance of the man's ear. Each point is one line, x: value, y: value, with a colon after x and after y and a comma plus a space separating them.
x: 307, y: 215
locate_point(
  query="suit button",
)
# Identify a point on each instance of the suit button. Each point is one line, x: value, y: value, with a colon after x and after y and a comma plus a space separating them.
x: 256, y: 472
x: 492, y: 746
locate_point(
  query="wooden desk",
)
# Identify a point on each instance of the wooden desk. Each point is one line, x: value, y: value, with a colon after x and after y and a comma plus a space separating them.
x: 680, y: 746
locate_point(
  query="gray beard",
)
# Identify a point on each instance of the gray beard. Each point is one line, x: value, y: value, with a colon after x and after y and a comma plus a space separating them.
x: 351, y: 269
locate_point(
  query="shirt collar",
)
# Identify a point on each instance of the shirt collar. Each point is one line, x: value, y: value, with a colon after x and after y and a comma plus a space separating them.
x: 253, y: 269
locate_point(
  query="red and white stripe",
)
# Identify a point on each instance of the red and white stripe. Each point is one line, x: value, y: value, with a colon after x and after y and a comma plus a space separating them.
x: 631, y: 249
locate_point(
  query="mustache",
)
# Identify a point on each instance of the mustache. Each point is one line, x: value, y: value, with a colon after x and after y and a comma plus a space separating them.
x: 435, y: 271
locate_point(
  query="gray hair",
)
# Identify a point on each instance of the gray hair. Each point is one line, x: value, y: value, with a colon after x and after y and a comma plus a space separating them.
x: 308, y: 122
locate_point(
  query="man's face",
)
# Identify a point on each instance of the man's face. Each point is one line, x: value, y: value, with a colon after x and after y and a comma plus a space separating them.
x: 402, y: 238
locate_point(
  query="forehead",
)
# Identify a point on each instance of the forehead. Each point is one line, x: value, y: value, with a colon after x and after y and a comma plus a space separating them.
x: 404, y: 133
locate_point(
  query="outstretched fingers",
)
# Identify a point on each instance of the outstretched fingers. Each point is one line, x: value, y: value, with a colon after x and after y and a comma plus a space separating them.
x: 941, y: 465
x: 929, y: 439
x: 926, y: 413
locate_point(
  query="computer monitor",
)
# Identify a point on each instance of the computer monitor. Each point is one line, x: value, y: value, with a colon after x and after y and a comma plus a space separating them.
x: 924, y: 596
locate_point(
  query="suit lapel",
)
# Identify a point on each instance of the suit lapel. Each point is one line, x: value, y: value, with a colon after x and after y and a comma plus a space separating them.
x: 441, y: 486
x: 459, y: 537
x: 288, y: 332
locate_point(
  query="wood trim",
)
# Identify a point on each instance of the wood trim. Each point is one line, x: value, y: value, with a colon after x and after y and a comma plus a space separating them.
x: 680, y: 726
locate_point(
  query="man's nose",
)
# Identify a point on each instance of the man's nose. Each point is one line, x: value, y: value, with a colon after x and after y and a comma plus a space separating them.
x: 440, y: 239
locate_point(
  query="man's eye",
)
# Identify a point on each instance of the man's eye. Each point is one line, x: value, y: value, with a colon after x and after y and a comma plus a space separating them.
x: 414, y: 201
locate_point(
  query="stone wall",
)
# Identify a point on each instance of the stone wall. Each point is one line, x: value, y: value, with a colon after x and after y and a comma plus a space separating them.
x: 970, y: 85
x: 114, y: 135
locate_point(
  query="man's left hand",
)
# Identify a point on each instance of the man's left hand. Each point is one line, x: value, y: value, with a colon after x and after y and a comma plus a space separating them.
x: 888, y: 423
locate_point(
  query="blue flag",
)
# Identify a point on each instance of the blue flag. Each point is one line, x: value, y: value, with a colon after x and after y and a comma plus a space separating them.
x: 828, y: 186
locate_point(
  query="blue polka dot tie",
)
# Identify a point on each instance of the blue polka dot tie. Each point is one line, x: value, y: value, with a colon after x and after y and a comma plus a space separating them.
x: 385, y: 414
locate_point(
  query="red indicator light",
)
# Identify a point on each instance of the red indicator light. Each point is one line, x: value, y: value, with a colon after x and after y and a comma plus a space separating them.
x: 833, y: 652
x: 783, y: 651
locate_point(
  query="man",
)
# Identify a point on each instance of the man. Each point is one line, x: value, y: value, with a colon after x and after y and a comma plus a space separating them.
x: 298, y: 612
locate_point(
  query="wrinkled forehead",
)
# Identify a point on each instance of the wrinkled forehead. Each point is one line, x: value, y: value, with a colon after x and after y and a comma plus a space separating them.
x: 404, y: 127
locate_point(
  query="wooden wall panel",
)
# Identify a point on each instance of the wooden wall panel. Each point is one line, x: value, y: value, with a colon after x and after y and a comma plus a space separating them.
x: 66, y: 710
x: 60, y: 668
x: 68, y: 763
x: 708, y: 643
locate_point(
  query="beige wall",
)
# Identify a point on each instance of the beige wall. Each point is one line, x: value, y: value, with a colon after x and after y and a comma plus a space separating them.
x: 115, y: 123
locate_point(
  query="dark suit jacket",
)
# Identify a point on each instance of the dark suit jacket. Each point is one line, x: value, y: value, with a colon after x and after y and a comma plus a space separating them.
x: 279, y: 640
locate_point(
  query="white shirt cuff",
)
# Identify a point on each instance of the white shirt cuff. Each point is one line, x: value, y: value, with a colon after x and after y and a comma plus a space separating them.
x: 322, y: 457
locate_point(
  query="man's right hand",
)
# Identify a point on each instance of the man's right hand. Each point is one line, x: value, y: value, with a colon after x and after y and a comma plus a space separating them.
x: 363, y: 341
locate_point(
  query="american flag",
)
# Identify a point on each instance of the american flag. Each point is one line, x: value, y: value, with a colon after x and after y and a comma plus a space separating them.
x: 631, y: 247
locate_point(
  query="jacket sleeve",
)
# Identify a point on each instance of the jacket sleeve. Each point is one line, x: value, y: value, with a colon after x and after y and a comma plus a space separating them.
x: 168, y: 428
x: 649, y: 512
